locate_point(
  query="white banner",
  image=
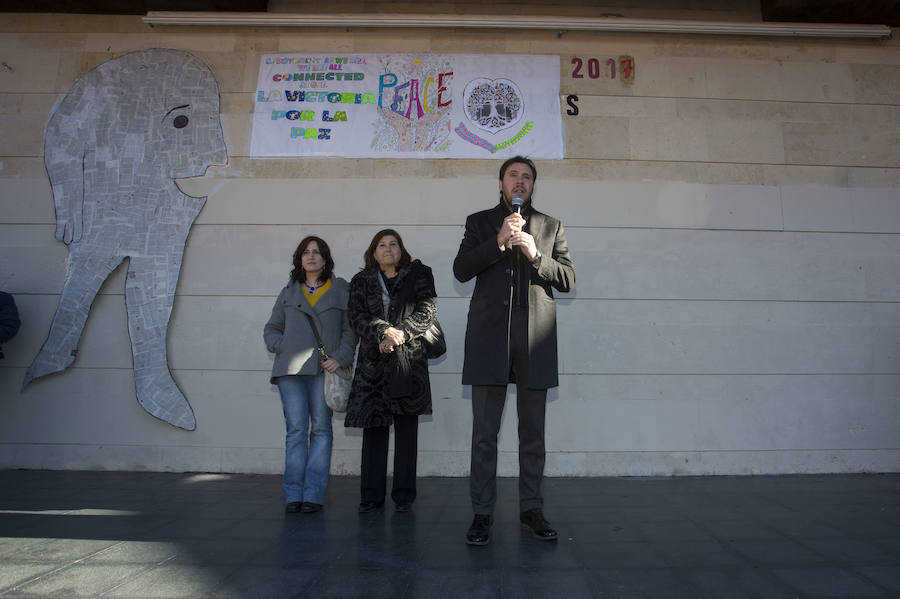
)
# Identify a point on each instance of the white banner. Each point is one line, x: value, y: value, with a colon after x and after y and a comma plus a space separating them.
x: 408, y: 106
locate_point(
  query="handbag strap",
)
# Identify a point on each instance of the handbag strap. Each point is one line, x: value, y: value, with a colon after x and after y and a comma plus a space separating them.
x: 315, y: 330
x: 385, y: 295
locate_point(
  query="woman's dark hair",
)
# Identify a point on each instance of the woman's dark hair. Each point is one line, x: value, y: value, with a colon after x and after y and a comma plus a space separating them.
x: 298, y: 274
x: 369, y: 256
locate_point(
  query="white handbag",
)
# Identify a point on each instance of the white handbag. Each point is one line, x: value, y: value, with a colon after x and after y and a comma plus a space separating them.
x: 337, y: 388
x: 337, y: 383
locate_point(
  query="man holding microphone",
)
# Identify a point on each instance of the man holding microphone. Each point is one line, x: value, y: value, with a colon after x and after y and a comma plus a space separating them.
x: 517, y: 255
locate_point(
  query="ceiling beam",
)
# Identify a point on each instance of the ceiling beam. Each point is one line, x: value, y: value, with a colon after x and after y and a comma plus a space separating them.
x: 561, y: 24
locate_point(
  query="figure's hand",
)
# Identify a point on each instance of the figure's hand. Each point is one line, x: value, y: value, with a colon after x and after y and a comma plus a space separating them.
x: 69, y: 229
x: 330, y: 365
x: 525, y: 242
x: 511, y: 225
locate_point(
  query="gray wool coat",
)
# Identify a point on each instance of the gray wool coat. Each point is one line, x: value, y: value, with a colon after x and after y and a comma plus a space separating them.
x: 289, y: 336
x: 486, y: 359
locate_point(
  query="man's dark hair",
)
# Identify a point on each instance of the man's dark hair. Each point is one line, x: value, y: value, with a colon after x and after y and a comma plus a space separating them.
x: 298, y: 274
x: 369, y: 256
x: 522, y: 160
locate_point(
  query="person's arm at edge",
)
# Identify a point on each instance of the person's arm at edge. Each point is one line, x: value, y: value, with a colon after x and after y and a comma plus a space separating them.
x: 9, y: 317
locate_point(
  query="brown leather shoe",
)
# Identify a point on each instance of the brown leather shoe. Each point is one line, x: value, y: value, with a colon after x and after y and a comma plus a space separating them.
x: 533, y: 521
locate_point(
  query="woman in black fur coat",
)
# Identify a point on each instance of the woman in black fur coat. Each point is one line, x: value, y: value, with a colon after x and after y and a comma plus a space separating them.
x: 391, y: 306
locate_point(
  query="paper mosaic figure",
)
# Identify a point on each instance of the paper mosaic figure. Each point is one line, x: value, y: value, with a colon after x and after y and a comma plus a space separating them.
x: 113, y: 148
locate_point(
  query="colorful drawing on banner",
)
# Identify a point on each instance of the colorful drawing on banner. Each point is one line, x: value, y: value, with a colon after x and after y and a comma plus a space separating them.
x: 493, y: 105
x: 483, y: 143
x: 414, y: 102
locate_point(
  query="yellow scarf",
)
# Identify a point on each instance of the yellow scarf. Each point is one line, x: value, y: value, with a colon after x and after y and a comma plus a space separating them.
x: 313, y: 297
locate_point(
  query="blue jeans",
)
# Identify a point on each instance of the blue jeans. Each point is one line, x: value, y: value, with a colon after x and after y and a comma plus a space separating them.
x: 308, y: 439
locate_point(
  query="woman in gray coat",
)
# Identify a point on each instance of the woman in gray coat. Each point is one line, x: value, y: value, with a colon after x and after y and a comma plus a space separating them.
x: 391, y: 307
x: 312, y: 295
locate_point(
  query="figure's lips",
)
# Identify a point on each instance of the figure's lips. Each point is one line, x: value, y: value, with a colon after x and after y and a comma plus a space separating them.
x: 201, y: 187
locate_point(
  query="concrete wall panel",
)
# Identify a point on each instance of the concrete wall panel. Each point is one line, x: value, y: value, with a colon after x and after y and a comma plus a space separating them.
x: 841, y: 209
x: 700, y: 337
x: 800, y: 423
x: 27, y: 200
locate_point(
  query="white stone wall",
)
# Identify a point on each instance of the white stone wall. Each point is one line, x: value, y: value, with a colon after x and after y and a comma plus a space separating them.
x: 734, y: 217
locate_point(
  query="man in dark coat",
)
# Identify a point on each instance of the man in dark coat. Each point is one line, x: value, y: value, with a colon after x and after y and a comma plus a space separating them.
x: 517, y: 256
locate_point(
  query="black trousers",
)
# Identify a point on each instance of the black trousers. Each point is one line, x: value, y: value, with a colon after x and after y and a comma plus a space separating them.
x: 374, y: 461
x: 487, y: 412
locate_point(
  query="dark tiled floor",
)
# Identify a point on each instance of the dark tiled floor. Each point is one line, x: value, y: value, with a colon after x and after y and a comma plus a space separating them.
x: 143, y: 535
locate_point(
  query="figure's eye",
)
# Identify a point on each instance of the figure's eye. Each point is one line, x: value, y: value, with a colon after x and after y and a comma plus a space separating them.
x: 179, y: 121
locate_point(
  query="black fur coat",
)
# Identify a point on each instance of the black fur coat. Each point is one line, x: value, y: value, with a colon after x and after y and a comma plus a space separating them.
x: 395, y: 383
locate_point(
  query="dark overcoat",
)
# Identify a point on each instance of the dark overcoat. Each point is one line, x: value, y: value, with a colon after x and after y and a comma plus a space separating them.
x: 487, y: 332
x: 395, y: 383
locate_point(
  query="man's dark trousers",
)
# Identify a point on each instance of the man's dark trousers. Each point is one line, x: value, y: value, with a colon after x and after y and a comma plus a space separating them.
x: 487, y: 412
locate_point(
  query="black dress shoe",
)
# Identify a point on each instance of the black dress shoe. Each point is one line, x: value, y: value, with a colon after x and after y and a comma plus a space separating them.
x: 293, y: 507
x: 309, y: 507
x: 480, y: 531
x: 367, y: 507
x: 403, y: 507
x: 533, y: 521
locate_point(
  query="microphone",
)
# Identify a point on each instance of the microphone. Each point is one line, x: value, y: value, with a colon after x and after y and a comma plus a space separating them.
x: 517, y: 202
